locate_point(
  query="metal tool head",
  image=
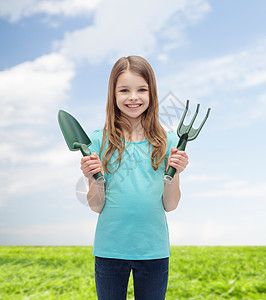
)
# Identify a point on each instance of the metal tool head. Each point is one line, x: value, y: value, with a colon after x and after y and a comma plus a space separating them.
x: 72, y: 131
x: 188, y: 129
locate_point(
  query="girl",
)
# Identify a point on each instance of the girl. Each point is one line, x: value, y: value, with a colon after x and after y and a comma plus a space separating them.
x: 132, y: 151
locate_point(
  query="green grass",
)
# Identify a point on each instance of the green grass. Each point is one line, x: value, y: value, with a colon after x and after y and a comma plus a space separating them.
x: 195, y: 273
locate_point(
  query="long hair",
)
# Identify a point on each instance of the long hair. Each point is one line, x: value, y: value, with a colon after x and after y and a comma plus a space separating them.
x: 114, y: 124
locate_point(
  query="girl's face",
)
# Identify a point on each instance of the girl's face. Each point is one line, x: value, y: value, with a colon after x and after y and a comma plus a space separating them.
x: 132, y: 95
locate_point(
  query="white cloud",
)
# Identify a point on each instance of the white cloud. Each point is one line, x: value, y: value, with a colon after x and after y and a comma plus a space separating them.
x: 15, y: 10
x: 202, y: 178
x: 132, y: 28
x: 227, y: 80
x: 240, y: 189
x: 212, y: 232
x: 120, y: 28
x: 30, y: 90
x: 33, y: 177
x: 81, y: 232
x: 241, y: 70
x: 30, y: 94
x: 77, y: 232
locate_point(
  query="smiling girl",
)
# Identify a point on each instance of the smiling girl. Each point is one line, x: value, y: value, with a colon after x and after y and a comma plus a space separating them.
x: 133, y: 151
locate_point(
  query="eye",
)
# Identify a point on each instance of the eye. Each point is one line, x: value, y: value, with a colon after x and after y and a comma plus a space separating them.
x: 124, y: 91
x: 142, y: 90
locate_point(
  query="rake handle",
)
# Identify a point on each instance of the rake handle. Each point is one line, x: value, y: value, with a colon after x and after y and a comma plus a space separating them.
x: 86, y: 152
x: 170, y: 173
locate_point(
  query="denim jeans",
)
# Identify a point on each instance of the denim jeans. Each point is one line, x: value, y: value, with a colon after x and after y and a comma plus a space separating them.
x: 150, y: 278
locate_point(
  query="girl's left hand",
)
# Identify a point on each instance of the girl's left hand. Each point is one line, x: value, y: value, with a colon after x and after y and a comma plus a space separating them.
x: 178, y: 159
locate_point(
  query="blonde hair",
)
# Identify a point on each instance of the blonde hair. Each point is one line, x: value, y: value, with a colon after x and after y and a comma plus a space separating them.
x: 114, y: 124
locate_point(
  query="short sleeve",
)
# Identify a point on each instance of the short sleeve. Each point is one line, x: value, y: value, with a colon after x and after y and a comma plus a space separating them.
x: 172, y: 141
x: 96, y: 140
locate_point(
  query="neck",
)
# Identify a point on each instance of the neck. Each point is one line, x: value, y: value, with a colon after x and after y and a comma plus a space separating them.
x: 138, y: 133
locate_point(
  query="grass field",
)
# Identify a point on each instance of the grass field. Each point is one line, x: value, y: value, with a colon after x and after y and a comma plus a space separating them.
x: 195, y: 273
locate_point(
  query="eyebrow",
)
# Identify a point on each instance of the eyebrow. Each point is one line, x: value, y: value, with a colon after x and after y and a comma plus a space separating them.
x: 125, y: 86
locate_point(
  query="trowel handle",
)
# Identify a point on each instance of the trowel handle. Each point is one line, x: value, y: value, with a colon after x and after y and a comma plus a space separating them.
x: 170, y: 173
x: 98, y: 176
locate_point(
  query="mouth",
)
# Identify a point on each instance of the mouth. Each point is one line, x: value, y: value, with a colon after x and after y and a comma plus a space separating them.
x: 133, y: 105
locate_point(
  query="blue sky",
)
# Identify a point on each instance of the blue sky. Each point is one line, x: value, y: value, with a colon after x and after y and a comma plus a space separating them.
x: 59, y: 54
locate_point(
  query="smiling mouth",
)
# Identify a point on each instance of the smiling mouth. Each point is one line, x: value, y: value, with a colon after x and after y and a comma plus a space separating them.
x: 133, y: 105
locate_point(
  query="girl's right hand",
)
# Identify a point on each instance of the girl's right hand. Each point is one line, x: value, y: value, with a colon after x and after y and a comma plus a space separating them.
x: 91, y: 165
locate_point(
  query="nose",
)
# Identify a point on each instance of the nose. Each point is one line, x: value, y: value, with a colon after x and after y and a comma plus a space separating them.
x: 133, y: 95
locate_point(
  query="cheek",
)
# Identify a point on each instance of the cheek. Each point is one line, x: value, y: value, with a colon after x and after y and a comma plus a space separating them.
x: 148, y: 98
x: 119, y: 102
x: 120, y: 98
x: 147, y: 102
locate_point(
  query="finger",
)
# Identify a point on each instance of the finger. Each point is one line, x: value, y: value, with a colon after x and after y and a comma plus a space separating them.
x: 92, y: 161
x: 177, y: 165
x: 176, y: 157
x: 90, y: 171
x: 179, y: 168
x: 96, y: 170
x: 179, y: 161
x: 183, y: 162
x: 89, y: 165
x: 93, y: 165
x: 183, y: 153
x: 173, y: 150
x: 84, y: 159
x: 179, y: 158
x: 94, y: 155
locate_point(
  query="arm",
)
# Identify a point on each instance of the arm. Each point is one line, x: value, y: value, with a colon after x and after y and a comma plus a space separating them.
x: 96, y: 196
x: 90, y: 165
x: 172, y: 194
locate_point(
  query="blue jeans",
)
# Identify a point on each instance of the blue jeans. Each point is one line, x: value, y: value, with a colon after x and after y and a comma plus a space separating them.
x: 150, y: 278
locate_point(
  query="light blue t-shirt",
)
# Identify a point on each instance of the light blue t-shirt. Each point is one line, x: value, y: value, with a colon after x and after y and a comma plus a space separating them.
x: 132, y: 224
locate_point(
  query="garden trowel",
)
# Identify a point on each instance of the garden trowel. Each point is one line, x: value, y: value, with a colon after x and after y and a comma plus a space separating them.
x: 76, y: 138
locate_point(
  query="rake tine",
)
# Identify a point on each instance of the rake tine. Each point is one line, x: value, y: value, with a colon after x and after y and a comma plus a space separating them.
x: 186, y: 133
x: 179, y: 129
x: 197, y: 131
x: 193, y: 119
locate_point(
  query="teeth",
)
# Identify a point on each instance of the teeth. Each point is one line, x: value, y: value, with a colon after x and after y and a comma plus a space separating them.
x: 133, y: 105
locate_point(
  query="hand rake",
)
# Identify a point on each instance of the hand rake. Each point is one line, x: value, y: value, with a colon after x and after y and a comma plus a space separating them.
x: 186, y: 133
